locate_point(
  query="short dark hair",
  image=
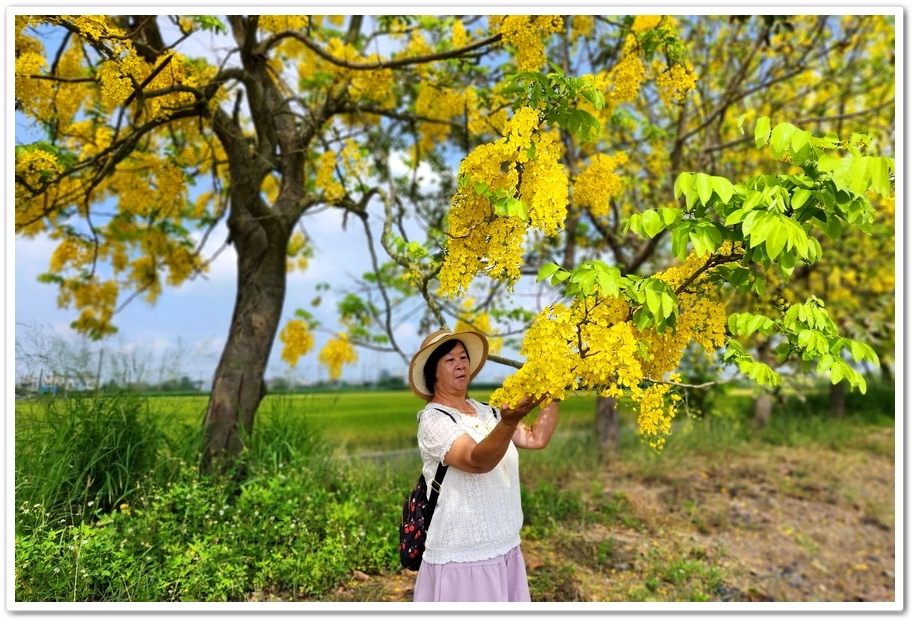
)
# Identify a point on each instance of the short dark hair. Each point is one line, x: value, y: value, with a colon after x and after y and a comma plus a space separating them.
x: 429, y: 369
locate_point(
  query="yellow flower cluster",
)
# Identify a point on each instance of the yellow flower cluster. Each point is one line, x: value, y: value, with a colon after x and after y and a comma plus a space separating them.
x: 479, y: 242
x: 96, y: 302
x: 527, y: 33
x: 279, y: 23
x: 352, y: 164
x: 436, y: 103
x: 627, y: 76
x: 642, y: 23
x: 79, y: 93
x: 181, y: 261
x: 545, y: 187
x: 32, y: 94
x: 116, y: 84
x: 520, y: 130
x: 337, y: 352
x: 582, y: 26
x: 481, y: 122
x: 325, y: 180
x: 33, y: 166
x: 702, y: 318
x: 655, y: 414
x: 658, y: 160
x: 69, y: 252
x: 592, y: 345
x: 93, y: 27
x: 597, y: 183
x: 459, y: 34
x: 371, y: 85
x: 297, y: 340
x: 673, y: 80
x: 549, y: 364
x: 589, y: 345
x: 297, y: 252
x: 417, y: 45
x: 144, y: 273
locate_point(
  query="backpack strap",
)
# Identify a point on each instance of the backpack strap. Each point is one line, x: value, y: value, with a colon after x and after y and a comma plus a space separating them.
x: 436, y: 484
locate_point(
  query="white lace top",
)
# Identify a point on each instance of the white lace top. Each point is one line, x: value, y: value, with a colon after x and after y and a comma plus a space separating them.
x: 478, y: 516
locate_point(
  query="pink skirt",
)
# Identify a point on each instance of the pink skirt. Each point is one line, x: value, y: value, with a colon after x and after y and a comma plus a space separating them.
x: 503, y: 578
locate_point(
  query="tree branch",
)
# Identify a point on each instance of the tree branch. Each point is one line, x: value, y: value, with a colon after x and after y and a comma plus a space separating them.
x: 390, y: 64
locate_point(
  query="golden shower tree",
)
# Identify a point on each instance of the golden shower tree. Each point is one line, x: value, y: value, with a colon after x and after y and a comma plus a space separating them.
x: 564, y: 146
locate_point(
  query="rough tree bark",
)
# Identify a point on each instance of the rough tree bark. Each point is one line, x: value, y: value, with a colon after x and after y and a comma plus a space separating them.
x: 238, y: 384
x: 259, y: 233
x: 607, y: 428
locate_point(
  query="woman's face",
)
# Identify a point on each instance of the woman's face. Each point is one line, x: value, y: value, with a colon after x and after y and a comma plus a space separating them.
x: 453, y: 372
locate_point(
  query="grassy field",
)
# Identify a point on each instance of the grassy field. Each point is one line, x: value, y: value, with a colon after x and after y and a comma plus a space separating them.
x: 351, y: 422
x: 801, y: 511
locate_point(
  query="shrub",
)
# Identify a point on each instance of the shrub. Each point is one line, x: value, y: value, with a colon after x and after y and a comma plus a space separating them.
x: 296, y: 527
x: 82, y: 456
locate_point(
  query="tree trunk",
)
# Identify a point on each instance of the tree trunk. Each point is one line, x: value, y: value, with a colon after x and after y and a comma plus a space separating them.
x: 607, y: 428
x: 838, y: 399
x: 762, y: 409
x: 238, y: 384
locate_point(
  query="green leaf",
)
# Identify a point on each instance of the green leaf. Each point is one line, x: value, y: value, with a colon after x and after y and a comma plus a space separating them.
x: 547, y: 270
x: 746, y: 323
x: 879, y: 175
x: 837, y: 373
x: 814, y: 250
x: 609, y: 279
x: 510, y: 206
x: 642, y: 318
x: 652, y: 223
x: 685, y: 186
x: 670, y: 216
x: 653, y: 302
x: 758, y: 229
x: 679, y: 238
x: 800, y: 197
x: 669, y: 305
x: 781, y: 137
x: 762, y: 131
x: 704, y: 187
x: 724, y: 188
x: 860, y: 351
x: 776, y: 240
x: 800, y: 139
x: 736, y: 217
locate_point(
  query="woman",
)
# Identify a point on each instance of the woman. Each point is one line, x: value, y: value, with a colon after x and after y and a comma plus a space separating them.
x: 473, y: 544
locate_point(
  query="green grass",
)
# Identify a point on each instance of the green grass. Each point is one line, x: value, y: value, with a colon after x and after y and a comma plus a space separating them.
x: 351, y: 422
x: 110, y: 506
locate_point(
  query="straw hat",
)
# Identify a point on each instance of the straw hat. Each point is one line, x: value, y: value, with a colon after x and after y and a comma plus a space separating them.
x: 475, y: 344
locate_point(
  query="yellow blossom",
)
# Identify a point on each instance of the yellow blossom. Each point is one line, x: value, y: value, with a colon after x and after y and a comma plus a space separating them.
x: 337, y: 352
x: 297, y: 340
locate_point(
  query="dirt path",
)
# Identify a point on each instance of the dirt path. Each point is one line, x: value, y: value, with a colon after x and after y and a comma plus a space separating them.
x: 777, y: 524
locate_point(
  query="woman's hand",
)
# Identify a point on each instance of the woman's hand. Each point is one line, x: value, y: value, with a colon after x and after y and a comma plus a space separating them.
x: 511, y: 416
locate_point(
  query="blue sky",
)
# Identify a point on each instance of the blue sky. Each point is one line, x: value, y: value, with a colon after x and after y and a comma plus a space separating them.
x: 195, y: 317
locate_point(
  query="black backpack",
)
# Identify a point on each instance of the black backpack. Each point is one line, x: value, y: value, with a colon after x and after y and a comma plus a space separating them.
x: 417, y: 515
